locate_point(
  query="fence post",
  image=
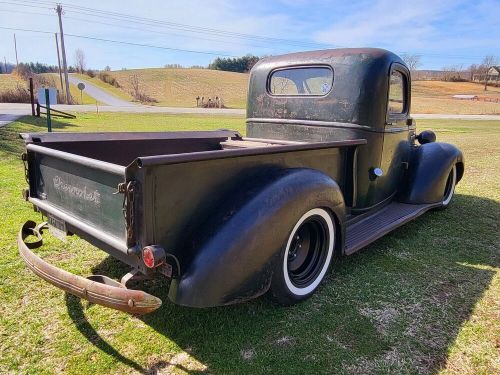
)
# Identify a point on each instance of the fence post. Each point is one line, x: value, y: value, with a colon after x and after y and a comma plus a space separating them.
x: 32, y: 97
x: 47, y: 103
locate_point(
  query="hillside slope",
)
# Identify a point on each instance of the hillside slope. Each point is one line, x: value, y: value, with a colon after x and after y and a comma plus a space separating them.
x: 180, y: 87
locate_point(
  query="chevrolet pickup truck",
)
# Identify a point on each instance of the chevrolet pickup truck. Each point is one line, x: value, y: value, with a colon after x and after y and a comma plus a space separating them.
x: 331, y: 161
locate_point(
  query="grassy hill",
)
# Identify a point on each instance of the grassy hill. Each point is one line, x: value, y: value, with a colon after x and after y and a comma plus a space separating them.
x: 180, y: 87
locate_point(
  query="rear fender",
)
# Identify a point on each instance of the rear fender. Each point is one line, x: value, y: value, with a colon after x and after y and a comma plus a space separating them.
x: 429, y: 167
x: 235, y: 259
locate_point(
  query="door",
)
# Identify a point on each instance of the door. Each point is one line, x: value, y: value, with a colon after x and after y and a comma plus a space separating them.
x: 396, y: 145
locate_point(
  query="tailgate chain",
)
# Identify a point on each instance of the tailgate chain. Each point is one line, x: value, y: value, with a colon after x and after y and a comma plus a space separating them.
x: 127, y: 189
x: 24, y: 158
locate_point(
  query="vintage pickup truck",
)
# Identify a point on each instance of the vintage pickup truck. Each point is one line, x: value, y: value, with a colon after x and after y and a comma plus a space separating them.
x: 330, y: 163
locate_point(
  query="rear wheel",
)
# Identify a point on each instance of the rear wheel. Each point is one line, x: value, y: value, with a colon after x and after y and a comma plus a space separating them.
x: 305, y: 257
x: 449, y: 187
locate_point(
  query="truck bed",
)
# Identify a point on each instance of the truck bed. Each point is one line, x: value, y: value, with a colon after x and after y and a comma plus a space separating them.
x: 81, y: 180
x: 123, y: 148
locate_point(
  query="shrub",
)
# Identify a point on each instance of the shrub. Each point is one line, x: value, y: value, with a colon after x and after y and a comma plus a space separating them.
x: 16, y: 95
x: 109, y: 79
x: 90, y: 73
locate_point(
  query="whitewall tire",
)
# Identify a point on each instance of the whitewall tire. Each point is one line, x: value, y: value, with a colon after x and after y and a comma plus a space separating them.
x: 305, y: 258
x: 450, y: 187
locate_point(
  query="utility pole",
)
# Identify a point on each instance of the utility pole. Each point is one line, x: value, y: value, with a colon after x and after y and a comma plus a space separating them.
x: 5, y: 64
x: 59, y: 63
x: 63, y: 51
x: 15, y: 48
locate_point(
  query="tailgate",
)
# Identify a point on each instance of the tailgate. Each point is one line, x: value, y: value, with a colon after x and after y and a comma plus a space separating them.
x: 79, y: 191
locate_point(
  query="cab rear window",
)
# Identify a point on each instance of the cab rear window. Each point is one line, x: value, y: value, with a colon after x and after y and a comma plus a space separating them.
x: 303, y: 81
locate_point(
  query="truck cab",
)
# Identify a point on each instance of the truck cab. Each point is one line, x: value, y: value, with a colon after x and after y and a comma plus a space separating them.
x: 336, y: 95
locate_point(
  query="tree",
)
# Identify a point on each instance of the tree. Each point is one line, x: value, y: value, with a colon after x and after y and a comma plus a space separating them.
x: 488, y: 62
x: 80, y: 60
x: 473, y: 69
x: 453, y: 73
x: 412, y: 61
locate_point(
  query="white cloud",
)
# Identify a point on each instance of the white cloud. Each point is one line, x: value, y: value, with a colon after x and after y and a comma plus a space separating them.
x: 399, y: 24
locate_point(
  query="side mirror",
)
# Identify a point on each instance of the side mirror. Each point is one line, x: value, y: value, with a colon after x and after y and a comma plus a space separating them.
x: 427, y: 136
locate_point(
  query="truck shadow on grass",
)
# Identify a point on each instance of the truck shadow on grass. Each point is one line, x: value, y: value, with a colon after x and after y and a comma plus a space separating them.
x: 395, y: 307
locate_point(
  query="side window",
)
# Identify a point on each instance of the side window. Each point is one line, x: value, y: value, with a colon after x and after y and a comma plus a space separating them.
x: 397, y: 93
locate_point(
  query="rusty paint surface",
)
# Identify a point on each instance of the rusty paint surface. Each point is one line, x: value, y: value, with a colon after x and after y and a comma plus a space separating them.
x: 113, y: 296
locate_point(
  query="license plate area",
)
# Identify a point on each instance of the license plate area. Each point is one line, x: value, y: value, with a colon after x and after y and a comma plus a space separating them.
x: 57, y: 227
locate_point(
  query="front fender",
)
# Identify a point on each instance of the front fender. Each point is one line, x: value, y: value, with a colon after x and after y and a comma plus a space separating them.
x: 429, y: 167
x: 235, y: 259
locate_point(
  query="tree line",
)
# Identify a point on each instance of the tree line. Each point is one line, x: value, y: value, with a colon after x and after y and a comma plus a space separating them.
x: 237, y: 64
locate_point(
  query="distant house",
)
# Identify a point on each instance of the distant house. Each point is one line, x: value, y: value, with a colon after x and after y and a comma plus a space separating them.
x: 493, y: 76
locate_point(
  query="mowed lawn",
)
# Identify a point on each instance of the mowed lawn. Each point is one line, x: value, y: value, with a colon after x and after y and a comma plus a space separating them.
x: 424, y: 299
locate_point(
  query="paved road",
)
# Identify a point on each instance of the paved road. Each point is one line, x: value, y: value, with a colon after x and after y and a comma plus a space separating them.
x: 8, y: 118
x: 130, y: 108
x: 455, y: 117
x: 100, y: 94
x: 10, y: 111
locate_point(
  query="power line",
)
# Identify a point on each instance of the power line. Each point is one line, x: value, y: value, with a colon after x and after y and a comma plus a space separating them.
x: 120, y: 17
x: 25, y: 12
x: 194, y: 29
x: 176, y: 26
x: 18, y: 4
x: 148, y: 45
x: 27, y: 30
x: 144, y: 30
x: 167, y: 33
x: 119, y: 42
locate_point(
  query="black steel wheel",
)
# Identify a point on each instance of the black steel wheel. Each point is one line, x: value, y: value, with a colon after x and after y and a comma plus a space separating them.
x: 305, y: 258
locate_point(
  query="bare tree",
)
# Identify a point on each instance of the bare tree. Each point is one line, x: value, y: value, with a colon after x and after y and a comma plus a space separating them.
x: 138, y: 92
x: 412, y: 61
x: 136, y: 88
x: 488, y: 62
x: 473, y: 69
x: 80, y: 60
x: 453, y: 73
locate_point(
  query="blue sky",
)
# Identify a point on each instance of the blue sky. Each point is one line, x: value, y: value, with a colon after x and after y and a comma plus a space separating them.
x: 443, y: 32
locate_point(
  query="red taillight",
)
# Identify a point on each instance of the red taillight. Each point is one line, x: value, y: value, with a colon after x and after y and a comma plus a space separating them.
x: 153, y: 256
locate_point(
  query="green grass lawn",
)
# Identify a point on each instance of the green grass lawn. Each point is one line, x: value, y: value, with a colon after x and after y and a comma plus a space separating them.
x: 424, y: 299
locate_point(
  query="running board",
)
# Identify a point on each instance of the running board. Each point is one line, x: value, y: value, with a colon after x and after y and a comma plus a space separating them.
x: 361, y: 233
